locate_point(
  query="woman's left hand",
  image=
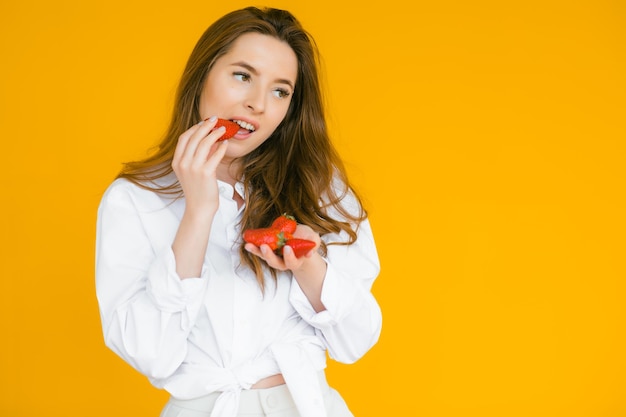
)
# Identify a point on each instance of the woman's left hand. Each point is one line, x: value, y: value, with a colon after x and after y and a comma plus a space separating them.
x: 309, y: 270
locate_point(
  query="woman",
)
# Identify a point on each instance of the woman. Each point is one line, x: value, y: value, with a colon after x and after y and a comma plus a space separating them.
x: 229, y: 328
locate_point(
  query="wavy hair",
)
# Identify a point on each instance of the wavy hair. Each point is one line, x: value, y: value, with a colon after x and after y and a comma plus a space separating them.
x: 296, y: 170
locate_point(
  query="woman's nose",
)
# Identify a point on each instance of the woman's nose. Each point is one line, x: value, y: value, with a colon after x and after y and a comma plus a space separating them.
x: 255, y: 101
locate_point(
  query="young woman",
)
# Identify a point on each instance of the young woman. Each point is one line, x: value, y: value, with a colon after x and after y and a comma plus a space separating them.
x: 229, y: 328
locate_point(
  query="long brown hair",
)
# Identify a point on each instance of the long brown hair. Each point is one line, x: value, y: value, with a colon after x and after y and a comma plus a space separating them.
x: 297, y: 169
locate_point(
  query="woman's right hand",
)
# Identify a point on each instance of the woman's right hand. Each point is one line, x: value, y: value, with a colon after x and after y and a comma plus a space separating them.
x: 195, y: 163
x: 196, y: 159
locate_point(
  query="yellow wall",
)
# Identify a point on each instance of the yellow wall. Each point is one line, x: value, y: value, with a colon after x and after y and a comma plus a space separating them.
x: 488, y: 138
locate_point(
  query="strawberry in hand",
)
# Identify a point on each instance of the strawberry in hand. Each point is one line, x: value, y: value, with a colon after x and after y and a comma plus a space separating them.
x: 231, y: 128
x: 279, y: 234
x: 285, y: 223
x: 300, y: 247
x: 274, y: 238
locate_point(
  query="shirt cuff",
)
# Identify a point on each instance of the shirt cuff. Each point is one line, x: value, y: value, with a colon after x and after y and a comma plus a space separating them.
x: 339, y: 295
x: 169, y: 292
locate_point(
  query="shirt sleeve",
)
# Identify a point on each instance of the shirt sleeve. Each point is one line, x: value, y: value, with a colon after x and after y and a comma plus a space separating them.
x: 147, y: 311
x: 352, y: 321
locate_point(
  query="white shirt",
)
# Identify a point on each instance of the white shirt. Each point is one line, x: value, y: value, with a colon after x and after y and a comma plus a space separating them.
x: 218, y: 332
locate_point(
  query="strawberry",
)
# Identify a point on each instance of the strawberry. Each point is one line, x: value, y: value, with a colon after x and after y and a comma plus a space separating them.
x: 231, y: 128
x: 300, y: 246
x: 268, y: 236
x: 285, y: 223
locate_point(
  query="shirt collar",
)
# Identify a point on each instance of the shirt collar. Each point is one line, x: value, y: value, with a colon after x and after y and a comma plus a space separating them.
x: 226, y: 190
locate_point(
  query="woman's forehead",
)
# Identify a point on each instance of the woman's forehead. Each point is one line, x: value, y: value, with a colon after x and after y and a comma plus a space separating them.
x: 263, y: 52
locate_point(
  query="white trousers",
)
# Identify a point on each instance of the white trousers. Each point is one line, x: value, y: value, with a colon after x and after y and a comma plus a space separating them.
x: 268, y: 402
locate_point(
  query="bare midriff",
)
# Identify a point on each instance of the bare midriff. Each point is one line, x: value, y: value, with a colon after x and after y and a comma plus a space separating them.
x: 269, y: 382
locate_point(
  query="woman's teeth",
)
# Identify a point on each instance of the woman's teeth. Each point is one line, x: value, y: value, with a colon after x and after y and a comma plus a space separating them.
x: 245, y: 125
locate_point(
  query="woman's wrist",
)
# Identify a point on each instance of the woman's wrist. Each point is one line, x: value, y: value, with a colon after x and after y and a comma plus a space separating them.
x: 191, y: 241
x: 200, y: 213
x: 310, y: 277
x: 313, y: 266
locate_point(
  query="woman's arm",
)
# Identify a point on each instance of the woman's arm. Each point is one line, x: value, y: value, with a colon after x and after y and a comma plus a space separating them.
x: 150, y: 271
x: 195, y: 163
x: 333, y: 294
x: 146, y: 310
x: 351, y: 322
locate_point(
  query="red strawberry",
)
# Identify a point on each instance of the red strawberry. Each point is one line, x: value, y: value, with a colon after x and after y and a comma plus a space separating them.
x: 285, y: 223
x: 300, y: 246
x: 268, y: 236
x: 231, y: 128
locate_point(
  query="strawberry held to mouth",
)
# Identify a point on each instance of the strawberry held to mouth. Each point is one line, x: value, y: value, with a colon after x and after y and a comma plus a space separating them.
x: 231, y: 128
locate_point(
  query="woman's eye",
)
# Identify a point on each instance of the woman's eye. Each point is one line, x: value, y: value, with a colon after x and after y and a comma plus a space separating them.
x: 242, y: 76
x: 280, y: 93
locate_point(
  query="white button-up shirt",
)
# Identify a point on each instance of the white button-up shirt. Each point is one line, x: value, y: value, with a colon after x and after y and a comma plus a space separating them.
x: 218, y: 332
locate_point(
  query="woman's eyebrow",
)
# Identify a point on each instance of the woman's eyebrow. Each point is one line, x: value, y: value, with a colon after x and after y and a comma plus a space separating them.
x: 255, y: 72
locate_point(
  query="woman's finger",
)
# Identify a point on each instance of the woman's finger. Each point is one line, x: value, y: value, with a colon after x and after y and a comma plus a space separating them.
x: 205, y: 146
x: 216, y: 155
x: 183, y: 140
x: 201, y: 130
x: 265, y: 252
x: 272, y: 259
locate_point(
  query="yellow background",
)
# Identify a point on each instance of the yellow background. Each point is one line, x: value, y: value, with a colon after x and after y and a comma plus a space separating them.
x: 487, y: 137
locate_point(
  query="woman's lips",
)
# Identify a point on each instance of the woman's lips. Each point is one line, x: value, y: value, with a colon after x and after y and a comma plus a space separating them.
x: 242, y: 134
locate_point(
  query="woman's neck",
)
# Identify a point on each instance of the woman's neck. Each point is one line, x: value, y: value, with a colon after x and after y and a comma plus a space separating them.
x: 228, y: 172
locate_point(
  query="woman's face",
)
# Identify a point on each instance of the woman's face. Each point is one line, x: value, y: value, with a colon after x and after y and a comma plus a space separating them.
x: 252, y: 84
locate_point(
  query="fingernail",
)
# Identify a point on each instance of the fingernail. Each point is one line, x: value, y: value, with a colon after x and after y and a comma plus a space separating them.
x: 211, y: 119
